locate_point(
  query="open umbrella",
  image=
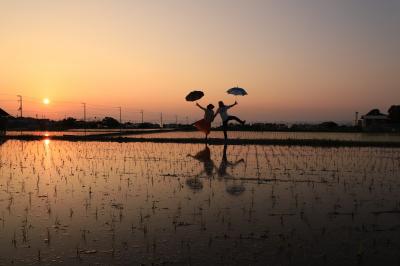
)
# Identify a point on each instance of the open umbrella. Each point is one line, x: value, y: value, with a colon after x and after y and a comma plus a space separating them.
x: 237, y: 91
x: 194, y: 96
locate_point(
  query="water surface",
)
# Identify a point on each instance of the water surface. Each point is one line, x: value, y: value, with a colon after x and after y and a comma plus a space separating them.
x: 346, y: 136
x: 131, y: 203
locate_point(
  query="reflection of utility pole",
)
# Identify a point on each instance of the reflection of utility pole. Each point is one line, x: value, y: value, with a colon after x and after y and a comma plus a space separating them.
x: 161, y: 120
x: 84, y: 116
x: 141, y: 111
x: 20, y: 105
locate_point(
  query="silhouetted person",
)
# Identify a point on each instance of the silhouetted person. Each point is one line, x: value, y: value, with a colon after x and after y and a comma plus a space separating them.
x: 204, y: 124
x: 223, y: 111
x: 225, y: 163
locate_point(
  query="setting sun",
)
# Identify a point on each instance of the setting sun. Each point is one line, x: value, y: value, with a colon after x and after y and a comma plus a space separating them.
x: 46, y: 101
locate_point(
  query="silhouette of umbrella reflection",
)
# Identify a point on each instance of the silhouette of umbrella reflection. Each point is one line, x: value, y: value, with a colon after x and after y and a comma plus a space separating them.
x: 235, y: 189
x: 194, y: 184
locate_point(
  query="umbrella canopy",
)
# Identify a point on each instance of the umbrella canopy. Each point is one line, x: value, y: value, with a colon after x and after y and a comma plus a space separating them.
x: 237, y: 91
x: 194, y: 96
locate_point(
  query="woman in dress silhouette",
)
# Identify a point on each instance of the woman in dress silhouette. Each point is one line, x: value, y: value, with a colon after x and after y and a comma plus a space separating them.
x: 204, y: 125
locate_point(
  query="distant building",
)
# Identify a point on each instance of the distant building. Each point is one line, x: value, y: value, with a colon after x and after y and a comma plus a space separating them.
x: 374, y: 120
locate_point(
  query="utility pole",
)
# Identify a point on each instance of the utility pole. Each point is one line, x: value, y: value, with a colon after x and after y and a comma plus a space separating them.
x: 176, y: 120
x: 20, y: 105
x: 356, y: 119
x: 120, y: 120
x: 161, y: 120
x: 187, y: 120
x: 141, y: 111
x: 84, y: 116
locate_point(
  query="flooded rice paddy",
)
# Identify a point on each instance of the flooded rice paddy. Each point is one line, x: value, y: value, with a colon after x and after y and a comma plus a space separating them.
x: 235, y: 135
x: 81, y: 203
x: 275, y: 135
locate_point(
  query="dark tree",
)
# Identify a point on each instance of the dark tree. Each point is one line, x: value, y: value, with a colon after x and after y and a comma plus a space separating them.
x: 394, y: 113
x: 69, y: 122
x: 328, y: 125
x: 110, y: 122
x: 3, y: 124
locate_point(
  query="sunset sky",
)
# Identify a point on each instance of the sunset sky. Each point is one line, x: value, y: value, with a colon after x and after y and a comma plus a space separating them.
x: 299, y: 60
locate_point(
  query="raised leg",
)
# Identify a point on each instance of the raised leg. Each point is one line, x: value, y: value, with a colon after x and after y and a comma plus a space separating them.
x: 231, y: 117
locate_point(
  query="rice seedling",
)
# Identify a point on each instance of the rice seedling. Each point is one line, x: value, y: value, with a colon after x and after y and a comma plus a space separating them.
x: 146, y: 200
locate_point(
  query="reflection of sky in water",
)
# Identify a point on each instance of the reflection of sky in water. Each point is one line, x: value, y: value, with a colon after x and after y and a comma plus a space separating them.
x: 149, y: 203
x: 392, y: 137
x: 278, y: 135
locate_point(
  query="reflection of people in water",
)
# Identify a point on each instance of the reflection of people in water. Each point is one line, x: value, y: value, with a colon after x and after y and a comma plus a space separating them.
x: 204, y: 156
x: 234, y: 189
x: 225, y: 163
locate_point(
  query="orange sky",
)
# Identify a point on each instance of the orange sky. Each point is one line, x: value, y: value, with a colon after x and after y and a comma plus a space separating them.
x: 299, y: 60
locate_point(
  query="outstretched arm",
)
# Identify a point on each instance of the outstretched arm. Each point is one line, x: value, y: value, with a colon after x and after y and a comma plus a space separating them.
x: 201, y: 107
x: 216, y: 113
x: 229, y: 106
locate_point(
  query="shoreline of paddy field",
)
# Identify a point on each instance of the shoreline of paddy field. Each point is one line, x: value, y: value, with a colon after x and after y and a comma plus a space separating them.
x: 213, y: 141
